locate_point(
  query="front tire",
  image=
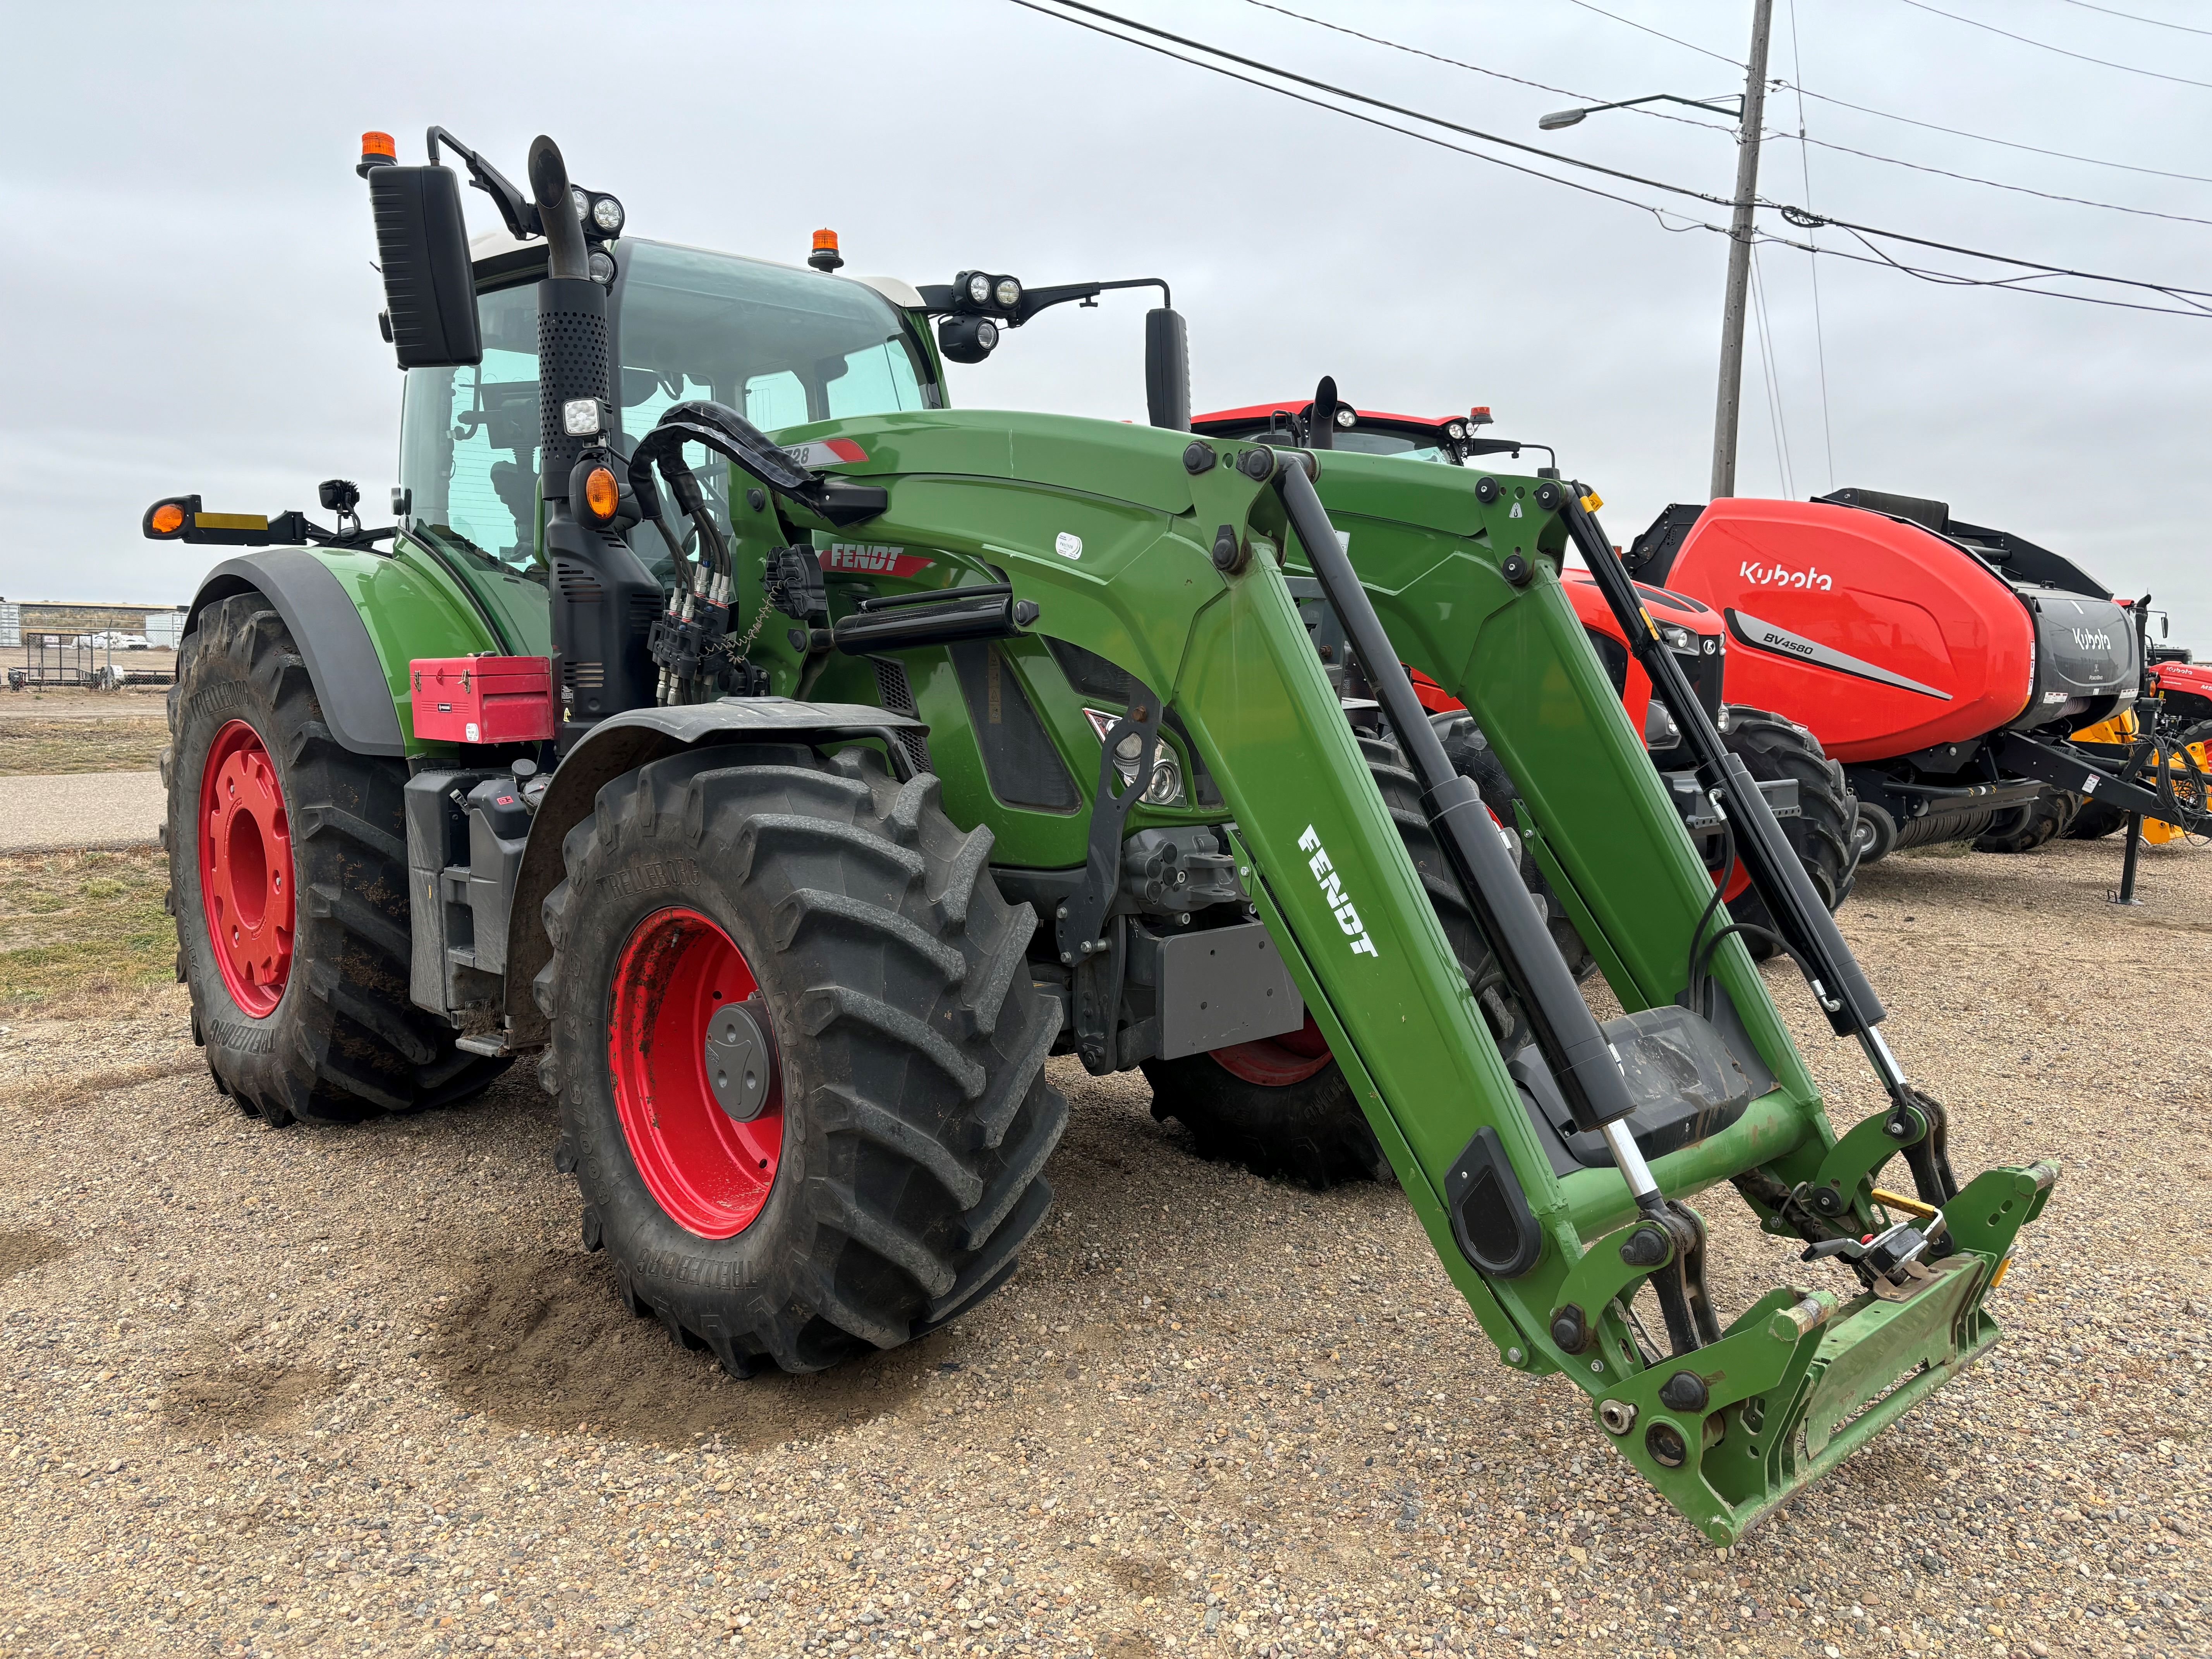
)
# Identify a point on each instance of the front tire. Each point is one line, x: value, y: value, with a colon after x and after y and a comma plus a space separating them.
x: 1825, y: 834
x: 1282, y: 1107
x: 881, y: 1170
x: 287, y: 879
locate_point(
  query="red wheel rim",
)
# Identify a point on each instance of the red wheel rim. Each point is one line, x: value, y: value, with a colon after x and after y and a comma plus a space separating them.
x: 710, y: 1173
x: 245, y: 869
x: 1276, y: 1062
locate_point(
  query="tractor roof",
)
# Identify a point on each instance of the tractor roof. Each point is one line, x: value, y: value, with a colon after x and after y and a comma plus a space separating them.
x: 1299, y: 405
x: 497, y: 253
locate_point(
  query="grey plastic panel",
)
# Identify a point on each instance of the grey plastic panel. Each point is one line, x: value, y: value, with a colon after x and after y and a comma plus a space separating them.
x: 1222, y: 986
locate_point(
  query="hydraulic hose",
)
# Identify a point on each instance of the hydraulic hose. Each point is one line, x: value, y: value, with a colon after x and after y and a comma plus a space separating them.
x: 1566, y: 1033
x: 557, y: 211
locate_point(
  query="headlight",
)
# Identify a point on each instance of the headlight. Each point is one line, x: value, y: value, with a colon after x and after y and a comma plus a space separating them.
x: 602, y: 267
x: 979, y: 288
x: 1345, y: 416
x: 1456, y: 430
x: 583, y: 202
x: 1166, y: 787
x: 607, y: 214
x: 1678, y: 638
x: 1008, y: 294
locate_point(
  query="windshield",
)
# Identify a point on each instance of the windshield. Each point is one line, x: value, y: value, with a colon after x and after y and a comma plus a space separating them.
x: 1402, y: 444
x: 783, y: 347
x: 1407, y: 446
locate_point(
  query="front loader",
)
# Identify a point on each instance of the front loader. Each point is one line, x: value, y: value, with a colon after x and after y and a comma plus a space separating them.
x: 930, y: 742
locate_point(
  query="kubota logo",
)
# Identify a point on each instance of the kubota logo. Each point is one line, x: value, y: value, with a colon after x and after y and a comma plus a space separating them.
x: 2091, y: 639
x: 1332, y: 892
x: 1773, y: 576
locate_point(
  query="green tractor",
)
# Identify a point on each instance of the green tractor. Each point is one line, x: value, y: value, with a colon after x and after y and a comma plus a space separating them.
x: 792, y: 800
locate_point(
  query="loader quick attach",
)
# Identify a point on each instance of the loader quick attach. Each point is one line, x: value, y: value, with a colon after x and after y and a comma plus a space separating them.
x: 825, y: 858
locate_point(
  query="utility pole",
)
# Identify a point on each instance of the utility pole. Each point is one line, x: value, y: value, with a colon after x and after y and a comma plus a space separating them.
x: 1731, y: 406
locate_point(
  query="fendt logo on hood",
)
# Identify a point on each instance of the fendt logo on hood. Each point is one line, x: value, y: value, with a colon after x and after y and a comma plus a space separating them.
x: 1773, y: 576
x: 2091, y: 639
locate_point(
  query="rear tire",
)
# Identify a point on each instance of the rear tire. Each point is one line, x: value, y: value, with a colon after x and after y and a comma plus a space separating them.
x: 907, y: 1118
x: 2025, y: 829
x: 295, y: 849
x: 1308, y: 1125
x: 1824, y: 835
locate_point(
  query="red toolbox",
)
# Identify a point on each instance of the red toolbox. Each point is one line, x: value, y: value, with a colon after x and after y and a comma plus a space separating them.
x: 482, y: 699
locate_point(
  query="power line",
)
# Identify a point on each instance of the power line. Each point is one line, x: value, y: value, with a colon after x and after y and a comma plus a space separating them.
x: 1733, y: 62
x: 1813, y: 263
x: 2032, y: 270
x: 1358, y: 97
x: 2078, y: 57
x: 1658, y: 213
x: 1478, y: 69
x: 2156, y: 22
x: 1996, y: 184
x: 1770, y: 376
x: 2007, y: 143
x: 1845, y: 149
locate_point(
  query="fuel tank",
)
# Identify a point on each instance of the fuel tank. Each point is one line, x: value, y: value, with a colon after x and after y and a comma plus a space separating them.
x: 1885, y: 638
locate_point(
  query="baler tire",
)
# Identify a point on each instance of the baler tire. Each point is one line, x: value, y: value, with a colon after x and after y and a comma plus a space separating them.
x: 2037, y: 824
x: 2095, y: 821
x: 1472, y: 757
x: 1824, y: 833
x: 1312, y: 1129
x: 341, y: 1043
x: 1874, y: 834
x: 908, y: 1045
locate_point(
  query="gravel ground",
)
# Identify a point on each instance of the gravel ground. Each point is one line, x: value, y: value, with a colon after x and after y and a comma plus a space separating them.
x: 86, y: 808
x: 357, y: 1391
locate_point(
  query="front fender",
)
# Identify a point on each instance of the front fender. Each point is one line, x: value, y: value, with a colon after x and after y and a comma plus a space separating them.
x: 621, y: 744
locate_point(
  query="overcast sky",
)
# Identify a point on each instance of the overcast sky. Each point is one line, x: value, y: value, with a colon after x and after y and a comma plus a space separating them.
x: 190, y: 304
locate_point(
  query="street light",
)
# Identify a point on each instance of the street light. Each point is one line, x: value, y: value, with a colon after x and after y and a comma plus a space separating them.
x: 1747, y: 110
x: 1730, y: 106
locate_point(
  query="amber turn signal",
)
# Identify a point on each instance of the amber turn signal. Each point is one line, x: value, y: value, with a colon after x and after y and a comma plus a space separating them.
x: 168, y: 518
x: 602, y: 495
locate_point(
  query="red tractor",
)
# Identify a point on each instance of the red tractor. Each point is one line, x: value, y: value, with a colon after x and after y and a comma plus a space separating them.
x: 1807, y: 790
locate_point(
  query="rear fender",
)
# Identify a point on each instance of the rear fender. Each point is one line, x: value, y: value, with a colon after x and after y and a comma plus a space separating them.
x: 624, y: 742
x: 357, y: 619
x: 332, y: 640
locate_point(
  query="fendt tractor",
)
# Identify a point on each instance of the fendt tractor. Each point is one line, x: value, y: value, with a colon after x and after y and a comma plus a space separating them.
x: 791, y: 799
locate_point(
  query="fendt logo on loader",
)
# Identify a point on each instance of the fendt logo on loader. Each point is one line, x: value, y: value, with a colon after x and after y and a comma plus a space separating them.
x: 1332, y: 892
x: 1774, y: 575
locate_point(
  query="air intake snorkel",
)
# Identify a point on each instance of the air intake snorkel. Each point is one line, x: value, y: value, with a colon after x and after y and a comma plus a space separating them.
x: 605, y: 601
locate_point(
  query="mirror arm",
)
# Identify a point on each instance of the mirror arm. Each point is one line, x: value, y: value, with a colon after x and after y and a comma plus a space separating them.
x: 519, y: 212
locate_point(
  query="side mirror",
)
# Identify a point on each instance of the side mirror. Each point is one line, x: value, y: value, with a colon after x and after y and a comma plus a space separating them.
x: 1167, y: 369
x: 423, y: 243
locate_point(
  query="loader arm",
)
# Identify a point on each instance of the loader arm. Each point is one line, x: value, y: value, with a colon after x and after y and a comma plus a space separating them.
x: 1165, y: 557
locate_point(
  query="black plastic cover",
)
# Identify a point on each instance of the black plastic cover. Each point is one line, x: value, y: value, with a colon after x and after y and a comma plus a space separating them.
x: 422, y: 247
x: 1167, y: 369
x: 1489, y: 1214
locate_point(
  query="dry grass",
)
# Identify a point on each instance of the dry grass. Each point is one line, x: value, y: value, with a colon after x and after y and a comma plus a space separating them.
x: 32, y: 746
x: 83, y: 932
